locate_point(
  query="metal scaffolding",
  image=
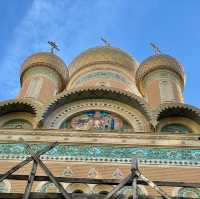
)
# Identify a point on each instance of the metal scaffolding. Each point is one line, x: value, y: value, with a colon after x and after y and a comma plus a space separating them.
x: 133, y: 179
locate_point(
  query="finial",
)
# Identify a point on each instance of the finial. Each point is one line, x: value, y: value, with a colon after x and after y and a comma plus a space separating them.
x: 155, y: 48
x: 105, y: 41
x: 53, y: 46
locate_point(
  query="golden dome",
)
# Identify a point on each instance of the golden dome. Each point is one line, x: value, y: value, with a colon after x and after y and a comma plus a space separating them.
x: 156, y: 62
x: 100, y: 55
x: 45, y: 59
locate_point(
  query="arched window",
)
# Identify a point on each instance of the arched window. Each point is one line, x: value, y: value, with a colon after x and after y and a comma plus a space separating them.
x: 128, y: 191
x: 103, y: 192
x: 78, y: 188
x: 5, y: 187
x: 189, y: 193
x: 78, y: 191
x: 48, y: 187
x: 175, y: 128
x: 18, y: 123
x: 100, y: 120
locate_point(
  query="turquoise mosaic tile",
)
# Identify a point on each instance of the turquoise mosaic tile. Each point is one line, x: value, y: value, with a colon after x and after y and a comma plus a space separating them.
x: 89, y: 151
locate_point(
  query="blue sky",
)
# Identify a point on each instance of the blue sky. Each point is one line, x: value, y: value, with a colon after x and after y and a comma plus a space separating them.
x: 27, y: 25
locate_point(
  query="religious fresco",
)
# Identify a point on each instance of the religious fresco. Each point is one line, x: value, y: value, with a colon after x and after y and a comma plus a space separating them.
x: 176, y: 128
x: 3, y: 187
x: 96, y: 120
x: 189, y: 192
x: 110, y: 75
x: 127, y: 190
x: 17, y: 123
x: 48, y: 187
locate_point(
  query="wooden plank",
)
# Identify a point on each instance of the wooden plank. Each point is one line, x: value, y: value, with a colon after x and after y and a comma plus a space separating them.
x: 134, y: 168
x: 47, y: 171
x: 103, y: 181
x: 153, y: 185
x: 119, y: 186
x: 36, y: 195
x: 26, y: 161
x: 30, y: 181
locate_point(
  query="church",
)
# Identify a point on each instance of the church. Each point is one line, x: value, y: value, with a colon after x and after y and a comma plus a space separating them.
x: 102, y: 109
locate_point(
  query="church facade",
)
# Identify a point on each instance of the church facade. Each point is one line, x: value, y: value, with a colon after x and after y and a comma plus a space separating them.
x: 103, y: 109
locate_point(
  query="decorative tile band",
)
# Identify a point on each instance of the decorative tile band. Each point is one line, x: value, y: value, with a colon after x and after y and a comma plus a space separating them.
x: 91, y: 153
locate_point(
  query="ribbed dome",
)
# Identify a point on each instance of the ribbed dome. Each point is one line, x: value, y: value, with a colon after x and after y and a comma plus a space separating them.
x: 159, y: 62
x: 45, y: 59
x: 101, y: 55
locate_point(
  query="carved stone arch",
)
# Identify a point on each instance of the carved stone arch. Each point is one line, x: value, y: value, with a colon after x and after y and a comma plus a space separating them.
x: 75, y: 95
x: 27, y: 120
x: 47, y: 187
x: 78, y: 188
x: 5, y: 186
x: 102, y: 189
x: 128, y: 191
x: 177, y: 113
x: 128, y: 113
x: 186, y: 192
x: 22, y: 108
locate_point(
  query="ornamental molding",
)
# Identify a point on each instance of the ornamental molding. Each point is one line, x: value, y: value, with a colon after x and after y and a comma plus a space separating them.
x: 179, y: 191
x: 108, y: 154
x: 176, y: 109
x: 122, y: 138
x: 134, y: 117
x: 105, y: 93
x: 26, y: 104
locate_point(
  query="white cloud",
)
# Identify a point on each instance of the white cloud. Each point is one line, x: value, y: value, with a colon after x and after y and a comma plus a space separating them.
x: 73, y: 24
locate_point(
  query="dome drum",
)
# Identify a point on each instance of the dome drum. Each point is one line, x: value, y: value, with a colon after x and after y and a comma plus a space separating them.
x: 43, y: 75
x: 104, y: 66
x: 161, y: 79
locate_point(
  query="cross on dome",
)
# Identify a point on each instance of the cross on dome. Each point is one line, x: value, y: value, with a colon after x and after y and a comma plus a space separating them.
x: 155, y: 48
x: 105, y: 41
x: 53, y: 46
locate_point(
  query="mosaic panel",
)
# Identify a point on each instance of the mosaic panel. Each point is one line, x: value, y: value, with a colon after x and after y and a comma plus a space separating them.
x: 103, y: 75
x: 96, y: 120
x: 189, y: 192
x: 18, y: 123
x: 3, y: 187
x: 175, y: 128
x: 48, y: 188
x: 128, y: 190
x: 88, y: 151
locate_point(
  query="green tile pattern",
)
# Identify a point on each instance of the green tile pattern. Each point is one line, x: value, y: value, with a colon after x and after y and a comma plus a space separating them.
x: 146, y: 153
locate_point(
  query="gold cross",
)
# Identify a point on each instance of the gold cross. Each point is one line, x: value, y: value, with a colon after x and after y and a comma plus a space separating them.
x: 53, y: 46
x: 155, y: 48
x: 106, y: 42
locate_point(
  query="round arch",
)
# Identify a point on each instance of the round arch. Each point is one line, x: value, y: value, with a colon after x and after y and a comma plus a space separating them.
x: 102, y: 189
x: 78, y: 188
x: 128, y: 113
x: 11, y: 120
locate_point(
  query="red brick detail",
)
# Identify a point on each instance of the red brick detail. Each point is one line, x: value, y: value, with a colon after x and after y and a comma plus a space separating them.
x: 176, y: 92
x: 153, y: 93
x: 47, y: 90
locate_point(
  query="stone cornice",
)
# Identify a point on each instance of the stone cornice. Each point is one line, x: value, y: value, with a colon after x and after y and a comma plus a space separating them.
x: 72, y: 137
